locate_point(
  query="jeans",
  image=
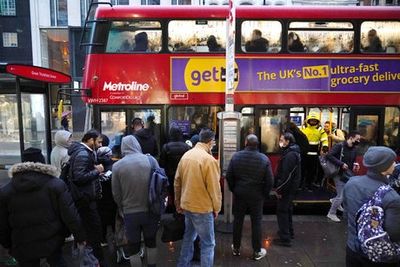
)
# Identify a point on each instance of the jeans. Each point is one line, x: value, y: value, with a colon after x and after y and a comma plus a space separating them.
x: 255, y: 208
x: 201, y: 224
x: 337, y: 201
x: 284, y: 211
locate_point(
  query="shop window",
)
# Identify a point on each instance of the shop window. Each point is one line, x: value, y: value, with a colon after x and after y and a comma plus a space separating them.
x: 391, y: 132
x: 272, y: 124
x: 55, y: 50
x: 134, y: 37
x: 380, y: 37
x: 261, y: 36
x: 9, y: 130
x: 320, y: 37
x: 7, y: 8
x: 10, y: 39
x: 202, y: 36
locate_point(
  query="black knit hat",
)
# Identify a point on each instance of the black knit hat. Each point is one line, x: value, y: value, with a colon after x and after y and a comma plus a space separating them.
x: 32, y: 155
x: 379, y: 158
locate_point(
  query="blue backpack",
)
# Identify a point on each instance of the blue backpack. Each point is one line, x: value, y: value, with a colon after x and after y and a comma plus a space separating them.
x: 158, y: 188
x: 374, y: 241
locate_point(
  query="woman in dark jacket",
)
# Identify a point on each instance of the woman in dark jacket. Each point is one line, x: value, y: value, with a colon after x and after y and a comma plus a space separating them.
x: 36, y: 212
x: 287, y: 181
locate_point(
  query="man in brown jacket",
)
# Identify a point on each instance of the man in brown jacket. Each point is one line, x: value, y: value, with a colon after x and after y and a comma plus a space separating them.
x: 198, y: 196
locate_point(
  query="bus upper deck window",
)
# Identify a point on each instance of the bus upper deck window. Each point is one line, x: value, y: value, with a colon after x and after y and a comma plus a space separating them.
x: 134, y: 37
x: 320, y: 37
x: 380, y: 37
x: 261, y: 36
x: 201, y: 36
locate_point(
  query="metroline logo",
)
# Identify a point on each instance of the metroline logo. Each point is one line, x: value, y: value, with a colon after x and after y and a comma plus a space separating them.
x: 133, y: 86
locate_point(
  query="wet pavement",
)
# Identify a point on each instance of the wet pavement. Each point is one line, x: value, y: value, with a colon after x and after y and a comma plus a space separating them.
x: 318, y: 242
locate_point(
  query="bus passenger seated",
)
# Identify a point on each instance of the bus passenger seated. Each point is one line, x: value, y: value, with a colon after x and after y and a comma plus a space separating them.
x: 141, y: 42
x: 213, y: 45
x: 294, y: 43
x: 374, y: 43
x: 257, y: 43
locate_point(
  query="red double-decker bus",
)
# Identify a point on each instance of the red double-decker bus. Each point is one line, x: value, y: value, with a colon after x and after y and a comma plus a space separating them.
x: 169, y: 62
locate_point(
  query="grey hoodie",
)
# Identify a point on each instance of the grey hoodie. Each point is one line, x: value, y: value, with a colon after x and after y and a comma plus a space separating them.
x: 59, y: 154
x: 130, y: 177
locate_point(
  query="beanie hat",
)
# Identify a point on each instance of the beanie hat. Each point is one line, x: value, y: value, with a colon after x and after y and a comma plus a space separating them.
x: 32, y: 155
x: 206, y: 135
x: 379, y: 158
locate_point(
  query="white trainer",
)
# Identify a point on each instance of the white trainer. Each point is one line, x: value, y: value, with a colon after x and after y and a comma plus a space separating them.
x: 333, y: 217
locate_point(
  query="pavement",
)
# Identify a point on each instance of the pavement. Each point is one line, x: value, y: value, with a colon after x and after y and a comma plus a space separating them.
x: 318, y: 242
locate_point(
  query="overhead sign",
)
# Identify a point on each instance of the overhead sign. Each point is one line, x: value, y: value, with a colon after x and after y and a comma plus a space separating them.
x: 38, y: 73
x: 289, y: 74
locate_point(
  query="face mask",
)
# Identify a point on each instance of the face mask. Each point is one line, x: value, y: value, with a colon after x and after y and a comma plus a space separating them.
x: 356, y: 143
x: 281, y: 145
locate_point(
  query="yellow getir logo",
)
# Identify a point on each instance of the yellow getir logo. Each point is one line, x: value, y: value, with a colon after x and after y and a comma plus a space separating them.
x: 207, y: 75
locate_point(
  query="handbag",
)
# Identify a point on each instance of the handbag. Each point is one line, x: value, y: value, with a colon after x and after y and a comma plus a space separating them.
x: 85, y: 256
x: 173, y: 227
x: 329, y: 168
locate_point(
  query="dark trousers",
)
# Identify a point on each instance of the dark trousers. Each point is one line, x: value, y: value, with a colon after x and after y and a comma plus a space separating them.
x: 284, y: 212
x: 92, y: 224
x: 310, y: 166
x: 255, y: 209
x: 354, y: 259
x: 54, y: 260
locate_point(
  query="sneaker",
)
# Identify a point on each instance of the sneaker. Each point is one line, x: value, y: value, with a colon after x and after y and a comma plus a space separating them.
x: 259, y: 255
x: 235, y: 251
x: 340, y: 208
x: 333, y: 217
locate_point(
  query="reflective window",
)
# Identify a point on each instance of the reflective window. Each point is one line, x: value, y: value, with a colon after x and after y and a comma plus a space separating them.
x: 380, y: 37
x: 113, y: 123
x: 10, y: 39
x: 59, y: 12
x: 197, y: 36
x: 367, y: 125
x: 33, y: 110
x: 55, y: 50
x: 152, y: 120
x: 150, y: 2
x: 9, y: 130
x: 134, y: 37
x: 261, y: 36
x: 246, y: 125
x: 181, y: 2
x: 7, y: 8
x: 272, y: 124
x: 391, y: 132
x: 321, y: 37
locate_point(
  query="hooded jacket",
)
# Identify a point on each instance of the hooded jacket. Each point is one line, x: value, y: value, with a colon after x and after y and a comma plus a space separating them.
x: 131, y: 177
x: 59, y: 154
x: 84, y: 174
x: 288, y: 174
x: 35, y: 211
x: 315, y: 134
x: 147, y: 141
x: 357, y: 191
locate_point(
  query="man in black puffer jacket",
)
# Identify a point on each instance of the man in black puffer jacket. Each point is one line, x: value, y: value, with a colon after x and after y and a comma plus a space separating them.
x: 36, y: 212
x: 85, y: 175
x: 171, y: 154
x: 287, y: 180
x: 250, y: 179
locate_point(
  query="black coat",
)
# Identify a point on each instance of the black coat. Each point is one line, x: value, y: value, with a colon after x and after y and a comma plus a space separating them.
x: 84, y: 174
x: 288, y: 175
x: 249, y: 174
x: 147, y: 142
x: 36, y: 211
x: 171, y: 154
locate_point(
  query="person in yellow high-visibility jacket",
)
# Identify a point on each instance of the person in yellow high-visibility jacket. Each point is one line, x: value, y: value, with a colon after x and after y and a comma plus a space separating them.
x: 317, y: 140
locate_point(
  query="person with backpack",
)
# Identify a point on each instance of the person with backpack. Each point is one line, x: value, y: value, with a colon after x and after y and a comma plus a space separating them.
x: 198, y: 196
x: 171, y: 154
x: 130, y: 187
x: 37, y: 212
x: 343, y: 155
x: 380, y: 163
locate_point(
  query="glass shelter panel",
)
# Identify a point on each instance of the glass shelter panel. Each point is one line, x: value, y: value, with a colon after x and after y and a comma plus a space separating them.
x: 202, y: 36
x: 261, y: 36
x: 380, y: 37
x: 9, y: 130
x: 134, y: 37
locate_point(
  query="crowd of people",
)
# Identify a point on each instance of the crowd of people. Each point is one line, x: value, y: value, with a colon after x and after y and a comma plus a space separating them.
x: 100, y: 198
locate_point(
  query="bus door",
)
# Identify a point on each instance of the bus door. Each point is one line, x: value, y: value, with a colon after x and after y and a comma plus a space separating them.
x: 369, y: 121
